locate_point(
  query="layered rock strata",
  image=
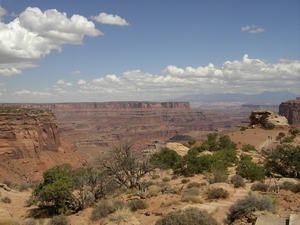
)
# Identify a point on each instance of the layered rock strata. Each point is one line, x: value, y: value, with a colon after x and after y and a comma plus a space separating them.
x: 92, y: 126
x: 291, y: 110
x: 262, y: 117
x: 31, y: 144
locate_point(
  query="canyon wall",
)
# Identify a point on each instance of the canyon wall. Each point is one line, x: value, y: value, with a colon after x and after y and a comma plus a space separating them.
x: 30, y: 143
x: 291, y: 110
x: 95, y: 127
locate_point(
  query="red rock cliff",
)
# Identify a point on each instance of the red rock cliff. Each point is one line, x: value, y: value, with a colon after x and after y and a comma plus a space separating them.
x: 291, y: 110
x: 30, y: 144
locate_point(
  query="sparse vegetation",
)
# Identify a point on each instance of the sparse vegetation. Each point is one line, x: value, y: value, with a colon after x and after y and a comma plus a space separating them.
x: 287, y: 185
x: 105, y: 207
x: 216, y: 193
x: 18, y: 110
x: 237, y: 181
x: 59, y: 220
x: 137, y: 204
x: 165, y: 179
x: 259, y: 187
x: 269, y: 126
x: 296, y: 188
x: 185, y: 180
x: 191, y: 216
x: 194, y: 184
x: 251, y: 203
x: 6, y: 200
x: 248, y: 148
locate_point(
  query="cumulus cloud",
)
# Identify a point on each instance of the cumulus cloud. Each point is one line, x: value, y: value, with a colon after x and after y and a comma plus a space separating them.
x: 64, y: 84
x: 32, y: 93
x: 247, y: 76
x: 34, y: 34
x: 75, y: 72
x: 110, y: 19
x: 253, y: 29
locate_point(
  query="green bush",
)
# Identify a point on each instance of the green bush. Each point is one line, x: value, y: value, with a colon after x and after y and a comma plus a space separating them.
x: 250, y: 204
x: 248, y: 148
x: 105, y: 207
x: 237, y: 181
x: 269, y: 126
x: 259, y: 187
x: 59, y: 220
x: 217, y: 176
x: 190, y: 216
x: 249, y: 170
x: 137, y: 204
x: 216, y: 193
x: 191, y: 142
x: 294, y: 131
x: 6, y: 200
x: 191, y: 191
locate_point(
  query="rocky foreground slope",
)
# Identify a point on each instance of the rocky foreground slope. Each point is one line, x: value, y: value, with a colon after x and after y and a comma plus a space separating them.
x: 30, y: 144
x: 94, y: 126
x: 291, y: 110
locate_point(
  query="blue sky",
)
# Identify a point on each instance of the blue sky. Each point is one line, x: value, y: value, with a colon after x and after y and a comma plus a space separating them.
x: 68, y: 51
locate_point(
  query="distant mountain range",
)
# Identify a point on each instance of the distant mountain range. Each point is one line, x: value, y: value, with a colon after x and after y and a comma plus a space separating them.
x: 264, y: 97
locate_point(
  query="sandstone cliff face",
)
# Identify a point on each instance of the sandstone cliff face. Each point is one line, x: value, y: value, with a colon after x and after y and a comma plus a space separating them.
x: 291, y: 110
x: 30, y: 144
x: 95, y: 126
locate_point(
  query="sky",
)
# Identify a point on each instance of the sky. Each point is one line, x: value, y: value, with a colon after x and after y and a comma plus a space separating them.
x: 146, y: 50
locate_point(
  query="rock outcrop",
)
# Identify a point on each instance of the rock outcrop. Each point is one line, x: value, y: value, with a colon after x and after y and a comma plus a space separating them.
x: 262, y: 117
x: 291, y: 110
x: 30, y: 144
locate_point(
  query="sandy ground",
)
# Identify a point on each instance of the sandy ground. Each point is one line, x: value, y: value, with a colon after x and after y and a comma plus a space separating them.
x: 164, y: 203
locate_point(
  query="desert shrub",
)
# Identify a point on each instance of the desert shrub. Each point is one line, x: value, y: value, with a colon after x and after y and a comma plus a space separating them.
x: 191, y: 191
x: 191, y: 142
x: 294, y: 131
x: 249, y: 204
x: 216, y: 193
x: 155, y: 176
x: 23, y: 187
x: 153, y: 190
x: 296, y: 188
x: 165, y: 179
x: 248, y: 148
x: 8, y: 183
x: 137, y: 204
x: 191, y: 216
x: 31, y: 222
x: 243, y: 128
x: 121, y: 215
x: 185, y: 180
x: 29, y: 202
x: 59, y: 220
x: 165, y: 159
x: 237, y: 181
x: 259, y: 187
x: 287, y: 185
x: 269, y: 126
x: 105, y: 207
x: 174, y: 177
x: 6, y: 200
x: 288, y: 139
x: 194, y: 184
x: 192, y: 199
x: 217, y: 176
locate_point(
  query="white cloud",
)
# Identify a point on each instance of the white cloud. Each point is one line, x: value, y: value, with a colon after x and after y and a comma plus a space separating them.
x: 110, y: 19
x: 247, y: 76
x: 63, y: 83
x: 253, y: 29
x: 32, y: 93
x: 2, y: 12
x: 10, y: 71
x: 75, y: 72
x: 2, y: 84
x: 34, y: 34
